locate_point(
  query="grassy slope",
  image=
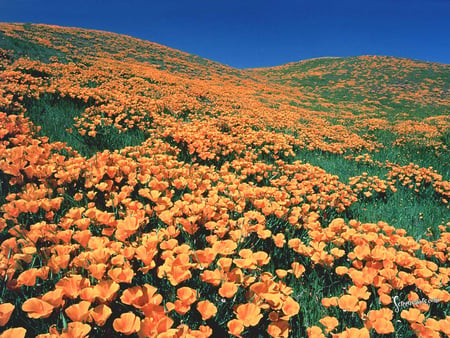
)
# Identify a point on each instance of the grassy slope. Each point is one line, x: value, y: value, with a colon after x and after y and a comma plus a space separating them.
x: 393, y: 89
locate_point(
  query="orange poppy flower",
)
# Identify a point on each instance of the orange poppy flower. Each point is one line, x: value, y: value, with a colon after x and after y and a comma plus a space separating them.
x: 54, y: 297
x: 332, y: 301
x: 181, y: 308
x: 78, y: 312
x: 297, y: 269
x: 281, y: 273
x: 77, y: 329
x: 359, y: 292
x: 187, y: 295
x: 341, y: 270
x: 279, y: 328
x: 249, y: 314
x: 16, y: 332
x: 179, y: 270
x: 279, y: 240
x: 349, y: 303
x: 6, y: 309
x: 100, y: 314
x: 290, y: 308
x: 72, y: 286
x: 97, y: 270
x: 354, y: 332
x: 132, y: 295
x: 235, y: 327
x: 413, y: 315
x: 383, y: 326
x: 315, y: 332
x: 212, y: 277
x: 228, y: 289
x: 128, y: 323
x: 28, y: 277
x: 330, y: 323
x: 206, y: 309
x: 37, y: 308
x: 105, y: 290
x: 121, y: 275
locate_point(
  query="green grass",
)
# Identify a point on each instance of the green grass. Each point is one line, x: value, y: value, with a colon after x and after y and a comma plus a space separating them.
x: 28, y: 49
x: 55, y: 114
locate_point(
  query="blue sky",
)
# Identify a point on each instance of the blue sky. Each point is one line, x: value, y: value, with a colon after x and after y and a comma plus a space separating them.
x: 261, y: 33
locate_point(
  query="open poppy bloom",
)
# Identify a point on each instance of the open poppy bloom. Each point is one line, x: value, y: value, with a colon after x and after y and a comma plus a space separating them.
x: 206, y: 309
x: 78, y: 312
x: 228, y: 289
x: 100, y: 314
x: 329, y: 322
x: 37, y: 308
x: 412, y: 315
x: 6, y: 309
x: 249, y: 314
x: 290, y: 308
x: 349, y: 303
x: 128, y: 323
x: 235, y: 327
x: 16, y: 332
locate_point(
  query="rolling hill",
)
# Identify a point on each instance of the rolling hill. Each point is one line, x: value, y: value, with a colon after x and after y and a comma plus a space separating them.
x: 145, y: 191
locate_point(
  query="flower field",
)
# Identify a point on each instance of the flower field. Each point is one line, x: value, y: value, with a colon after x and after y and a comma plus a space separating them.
x: 147, y: 192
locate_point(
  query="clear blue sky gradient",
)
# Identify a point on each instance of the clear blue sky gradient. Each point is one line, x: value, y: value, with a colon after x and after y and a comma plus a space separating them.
x: 248, y: 33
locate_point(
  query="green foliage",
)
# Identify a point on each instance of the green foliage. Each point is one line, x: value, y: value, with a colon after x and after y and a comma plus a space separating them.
x: 55, y: 115
x: 28, y: 49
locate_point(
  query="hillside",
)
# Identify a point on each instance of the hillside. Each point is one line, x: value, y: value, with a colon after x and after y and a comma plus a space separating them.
x: 144, y: 190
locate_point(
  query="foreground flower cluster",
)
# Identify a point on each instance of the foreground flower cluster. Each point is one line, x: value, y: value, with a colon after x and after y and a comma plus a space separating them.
x: 211, y: 226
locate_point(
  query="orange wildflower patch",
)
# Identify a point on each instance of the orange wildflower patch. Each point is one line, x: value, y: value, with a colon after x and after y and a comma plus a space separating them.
x: 204, y: 200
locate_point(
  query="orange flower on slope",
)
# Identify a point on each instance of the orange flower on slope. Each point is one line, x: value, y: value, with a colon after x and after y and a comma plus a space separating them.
x: 187, y: 295
x: 359, y: 292
x: 235, y: 327
x: 28, y: 277
x: 297, y: 269
x: 349, y: 303
x: 72, y: 286
x: 206, y: 309
x: 380, y: 320
x: 37, y: 308
x: 330, y: 323
x: 6, y: 309
x: 290, y: 308
x: 121, y: 275
x: 413, y: 315
x: 78, y: 312
x: 105, y: 290
x: 100, y: 314
x: 77, y: 329
x: 354, y: 332
x: 16, y: 332
x: 279, y: 328
x: 228, y: 289
x: 249, y: 313
x: 128, y: 323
